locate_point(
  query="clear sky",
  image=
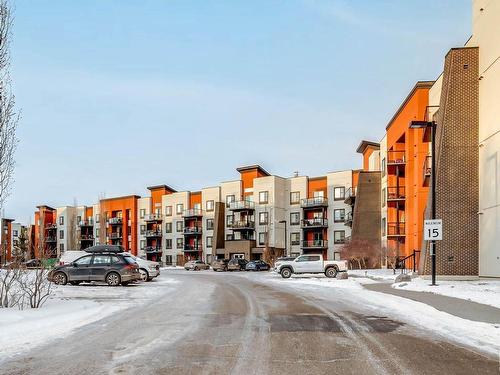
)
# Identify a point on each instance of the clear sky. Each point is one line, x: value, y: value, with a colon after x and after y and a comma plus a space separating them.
x: 120, y: 95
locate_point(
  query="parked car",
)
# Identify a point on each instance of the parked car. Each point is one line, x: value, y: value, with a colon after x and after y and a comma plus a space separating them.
x: 147, y: 268
x: 33, y: 263
x: 285, y: 259
x: 220, y: 264
x: 111, y: 267
x: 311, y: 263
x: 237, y: 264
x: 257, y: 265
x: 69, y: 256
x: 196, y: 265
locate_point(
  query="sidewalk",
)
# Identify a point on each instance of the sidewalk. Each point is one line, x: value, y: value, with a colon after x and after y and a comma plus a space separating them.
x: 455, y: 306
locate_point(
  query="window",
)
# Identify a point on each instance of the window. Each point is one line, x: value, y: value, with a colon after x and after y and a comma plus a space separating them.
x: 229, y: 220
x: 339, y: 193
x: 229, y: 200
x: 383, y: 197
x: 168, y: 243
x: 263, y: 197
x: 61, y: 220
x: 158, y: 211
x: 97, y: 218
x: 229, y: 237
x: 339, y: 215
x: 179, y: 226
x: 84, y: 261
x: 384, y: 220
x: 294, y: 218
x: 294, y: 197
x: 209, y: 205
x: 142, y: 212
x: 168, y: 210
x: 61, y: 247
x: 295, y: 238
x: 179, y: 208
x: 180, y: 243
x: 339, y: 236
x: 14, y: 233
x: 168, y: 258
x: 102, y: 259
x: 143, y: 229
x: 383, y: 167
x: 209, y: 241
x: 78, y: 219
x: 61, y: 234
x: 210, y: 224
x: 143, y: 244
x: 262, y: 238
x: 168, y: 227
x: 263, y: 218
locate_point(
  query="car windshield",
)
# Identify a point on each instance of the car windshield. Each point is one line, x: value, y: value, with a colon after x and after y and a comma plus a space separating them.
x: 129, y: 259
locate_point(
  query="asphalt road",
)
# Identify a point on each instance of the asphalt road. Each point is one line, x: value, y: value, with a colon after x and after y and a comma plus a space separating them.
x: 238, y: 324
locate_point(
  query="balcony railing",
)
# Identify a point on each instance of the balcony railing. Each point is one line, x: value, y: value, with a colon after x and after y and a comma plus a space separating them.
x: 348, y: 218
x: 50, y: 226
x: 115, y: 235
x: 315, y: 244
x: 192, y: 230
x: 396, y: 157
x: 396, y: 229
x: 153, y: 249
x: 153, y: 217
x: 87, y: 237
x: 86, y: 223
x: 314, y: 202
x: 197, y: 247
x: 241, y: 224
x: 350, y: 195
x: 153, y: 233
x: 115, y: 220
x: 314, y: 223
x: 193, y: 212
x: 395, y: 193
x: 242, y: 205
x: 50, y: 239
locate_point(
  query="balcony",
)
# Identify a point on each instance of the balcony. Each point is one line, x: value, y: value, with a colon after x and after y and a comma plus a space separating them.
x: 196, y: 247
x: 348, y: 219
x: 315, y: 202
x: 350, y: 196
x: 115, y: 221
x: 51, y: 239
x: 51, y: 226
x: 153, y: 249
x: 153, y: 217
x: 86, y: 223
x: 396, y: 193
x: 396, y: 158
x: 115, y: 235
x: 153, y: 233
x: 241, y: 225
x: 193, y: 212
x: 396, y: 229
x: 242, y: 206
x: 315, y: 244
x: 314, y: 223
x: 196, y: 230
x: 87, y: 237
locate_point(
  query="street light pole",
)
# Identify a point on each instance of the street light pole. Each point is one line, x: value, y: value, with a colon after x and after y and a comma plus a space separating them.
x: 433, y: 193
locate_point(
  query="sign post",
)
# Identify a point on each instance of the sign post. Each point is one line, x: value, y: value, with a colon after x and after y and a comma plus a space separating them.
x: 433, y: 231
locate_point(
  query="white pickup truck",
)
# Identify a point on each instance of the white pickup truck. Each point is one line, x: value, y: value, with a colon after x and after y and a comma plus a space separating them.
x: 310, y: 263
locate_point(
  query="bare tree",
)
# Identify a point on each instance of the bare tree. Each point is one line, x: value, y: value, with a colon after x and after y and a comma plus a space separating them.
x: 11, y: 294
x: 361, y: 253
x: 8, y: 116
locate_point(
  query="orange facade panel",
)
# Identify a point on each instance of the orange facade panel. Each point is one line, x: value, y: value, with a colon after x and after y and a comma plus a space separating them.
x: 195, y: 199
x: 315, y: 185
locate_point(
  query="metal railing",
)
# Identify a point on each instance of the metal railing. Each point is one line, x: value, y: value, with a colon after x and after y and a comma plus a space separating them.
x: 348, y: 217
x: 316, y: 244
x: 115, y: 220
x: 396, y: 193
x: 192, y: 212
x: 153, y: 217
x: 396, y: 157
x: 241, y: 224
x: 316, y: 222
x: 153, y: 249
x: 396, y: 229
x: 409, y: 262
x: 242, y: 205
x: 192, y: 230
x: 50, y: 239
x: 86, y: 236
x: 350, y: 193
x: 50, y: 226
x: 115, y: 235
x: 314, y: 202
x: 153, y: 233
x: 86, y: 223
x: 197, y: 247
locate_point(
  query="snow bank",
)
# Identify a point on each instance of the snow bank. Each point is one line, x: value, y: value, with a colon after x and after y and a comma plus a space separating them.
x: 376, y: 274
x: 69, y: 308
x: 484, y: 291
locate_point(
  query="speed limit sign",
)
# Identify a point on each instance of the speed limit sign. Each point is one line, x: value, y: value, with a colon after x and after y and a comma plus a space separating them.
x: 433, y: 230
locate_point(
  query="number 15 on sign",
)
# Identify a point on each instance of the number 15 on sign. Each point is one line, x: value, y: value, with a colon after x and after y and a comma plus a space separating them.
x: 433, y: 230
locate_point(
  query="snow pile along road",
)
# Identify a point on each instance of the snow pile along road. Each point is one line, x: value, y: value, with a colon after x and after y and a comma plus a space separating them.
x: 71, y: 307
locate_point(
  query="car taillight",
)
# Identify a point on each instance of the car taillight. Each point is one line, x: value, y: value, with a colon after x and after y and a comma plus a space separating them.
x: 131, y: 266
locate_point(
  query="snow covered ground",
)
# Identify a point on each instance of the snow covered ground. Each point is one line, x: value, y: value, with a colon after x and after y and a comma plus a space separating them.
x: 481, y: 291
x: 375, y: 274
x: 484, y: 337
x: 71, y: 307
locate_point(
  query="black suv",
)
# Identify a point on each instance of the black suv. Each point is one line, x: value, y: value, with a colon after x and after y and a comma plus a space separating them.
x: 104, y: 263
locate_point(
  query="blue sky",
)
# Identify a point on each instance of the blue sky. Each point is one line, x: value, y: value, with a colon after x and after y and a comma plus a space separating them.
x: 120, y: 95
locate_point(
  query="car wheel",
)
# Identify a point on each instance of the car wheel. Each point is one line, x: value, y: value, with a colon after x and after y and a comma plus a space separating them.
x: 60, y: 278
x: 113, y: 279
x: 144, y: 274
x: 331, y: 272
x: 286, y: 273
x: 196, y: 269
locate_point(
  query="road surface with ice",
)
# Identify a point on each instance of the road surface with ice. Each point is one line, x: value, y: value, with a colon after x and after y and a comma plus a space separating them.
x: 250, y: 323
